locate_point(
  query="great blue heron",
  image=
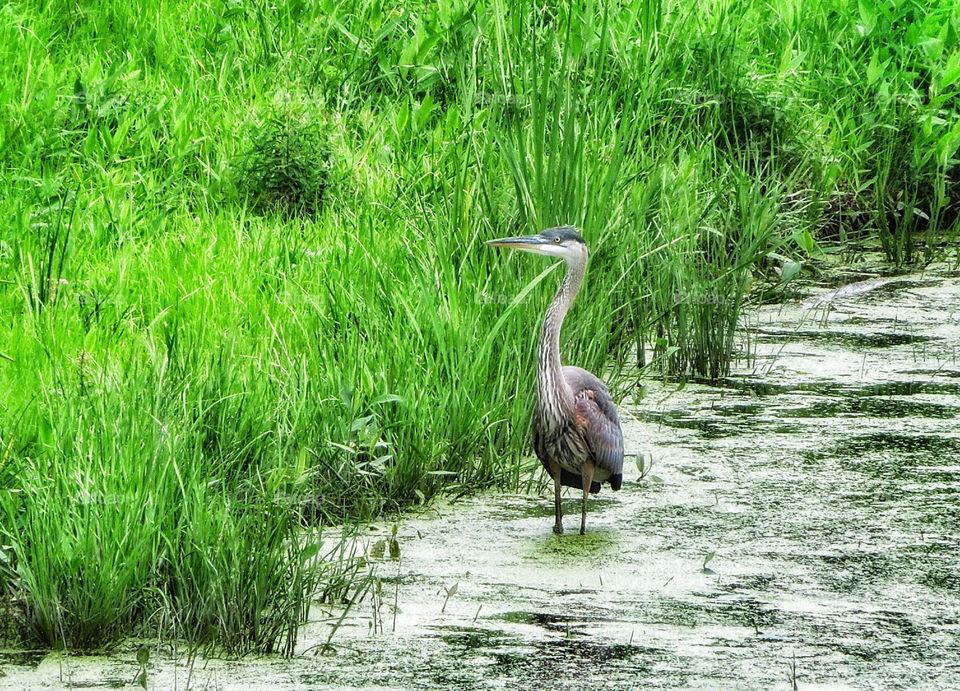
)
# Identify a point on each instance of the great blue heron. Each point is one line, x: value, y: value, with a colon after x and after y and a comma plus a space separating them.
x: 576, y: 429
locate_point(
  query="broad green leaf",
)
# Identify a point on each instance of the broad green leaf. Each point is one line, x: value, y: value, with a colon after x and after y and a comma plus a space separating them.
x: 790, y: 271
x: 951, y: 71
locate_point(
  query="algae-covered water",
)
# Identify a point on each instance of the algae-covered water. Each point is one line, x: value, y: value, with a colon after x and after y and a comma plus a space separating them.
x: 799, y: 529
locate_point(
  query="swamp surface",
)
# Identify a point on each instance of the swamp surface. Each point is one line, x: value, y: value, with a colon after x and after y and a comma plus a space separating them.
x: 798, y: 529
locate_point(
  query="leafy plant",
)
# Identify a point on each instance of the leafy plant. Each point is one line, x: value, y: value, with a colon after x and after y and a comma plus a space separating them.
x: 287, y: 168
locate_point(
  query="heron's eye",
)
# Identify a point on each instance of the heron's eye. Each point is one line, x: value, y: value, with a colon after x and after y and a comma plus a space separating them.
x: 557, y: 240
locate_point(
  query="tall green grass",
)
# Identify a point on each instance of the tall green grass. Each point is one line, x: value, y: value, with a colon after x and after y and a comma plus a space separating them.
x: 244, y: 281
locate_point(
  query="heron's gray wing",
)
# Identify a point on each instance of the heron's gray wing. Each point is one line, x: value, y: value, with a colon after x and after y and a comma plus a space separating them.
x: 598, y: 421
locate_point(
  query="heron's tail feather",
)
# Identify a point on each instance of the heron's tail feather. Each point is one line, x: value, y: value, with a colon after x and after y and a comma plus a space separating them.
x: 616, y: 481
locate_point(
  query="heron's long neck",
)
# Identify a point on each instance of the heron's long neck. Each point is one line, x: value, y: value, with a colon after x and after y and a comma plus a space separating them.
x: 556, y: 398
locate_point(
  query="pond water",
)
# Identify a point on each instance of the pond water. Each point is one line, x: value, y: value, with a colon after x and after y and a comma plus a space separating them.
x: 799, y: 529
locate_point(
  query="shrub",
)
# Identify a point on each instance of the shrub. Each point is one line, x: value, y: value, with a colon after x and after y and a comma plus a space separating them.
x: 287, y: 167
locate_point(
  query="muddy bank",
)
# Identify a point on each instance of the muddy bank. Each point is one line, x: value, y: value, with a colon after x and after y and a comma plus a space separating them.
x: 800, y: 526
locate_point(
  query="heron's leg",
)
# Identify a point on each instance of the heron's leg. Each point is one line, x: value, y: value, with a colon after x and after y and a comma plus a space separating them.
x: 557, y: 510
x: 586, y: 472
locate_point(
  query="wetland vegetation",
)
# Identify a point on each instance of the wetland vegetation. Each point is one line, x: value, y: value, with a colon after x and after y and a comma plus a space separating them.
x: 244, y: 293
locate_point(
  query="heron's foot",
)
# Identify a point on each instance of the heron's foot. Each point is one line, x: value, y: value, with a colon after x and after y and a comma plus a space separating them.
x: 583, y: 531
x: 558, y: 528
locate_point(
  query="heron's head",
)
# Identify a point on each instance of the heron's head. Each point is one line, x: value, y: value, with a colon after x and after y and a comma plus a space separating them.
x: 563, y: 242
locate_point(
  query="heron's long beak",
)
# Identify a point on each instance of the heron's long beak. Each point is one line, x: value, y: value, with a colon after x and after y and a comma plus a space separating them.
x: 531, y: 243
